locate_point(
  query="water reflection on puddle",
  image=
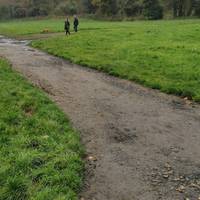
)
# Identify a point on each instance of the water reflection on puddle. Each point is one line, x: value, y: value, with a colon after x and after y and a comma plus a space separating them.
x: 8, y: 41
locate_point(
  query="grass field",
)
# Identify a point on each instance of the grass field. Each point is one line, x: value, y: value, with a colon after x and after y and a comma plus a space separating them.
x: 27, y: 27
x: 40, y: 154
x: 164, y: 55
x: 18, y: 28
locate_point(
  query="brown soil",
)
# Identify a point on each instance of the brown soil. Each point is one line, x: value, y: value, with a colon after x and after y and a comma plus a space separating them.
x: 141, y: 144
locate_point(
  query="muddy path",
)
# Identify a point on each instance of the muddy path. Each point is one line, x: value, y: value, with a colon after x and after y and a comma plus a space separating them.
x: 141, y: 144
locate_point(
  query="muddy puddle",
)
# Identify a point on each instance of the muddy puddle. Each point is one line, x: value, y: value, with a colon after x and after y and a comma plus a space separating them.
x: 7, y: 41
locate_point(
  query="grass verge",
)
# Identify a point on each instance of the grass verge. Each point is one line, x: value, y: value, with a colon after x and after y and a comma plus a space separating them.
x: 40, y: 154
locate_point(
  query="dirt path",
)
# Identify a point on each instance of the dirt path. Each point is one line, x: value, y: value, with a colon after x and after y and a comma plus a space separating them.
x: 144, y: 145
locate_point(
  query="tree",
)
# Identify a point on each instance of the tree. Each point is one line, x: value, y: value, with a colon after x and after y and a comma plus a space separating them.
x: 182, y: 7
x: 197, y: 7
x: 153, y: 9
x: 108, y: 7
x: 105, y: 7
x: 67, y: 8
x: 4, y: 12
x: 132, y: 7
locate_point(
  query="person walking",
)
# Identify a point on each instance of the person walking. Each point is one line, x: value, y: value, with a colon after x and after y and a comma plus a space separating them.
x: 76, y: 23
x: 67, y: 26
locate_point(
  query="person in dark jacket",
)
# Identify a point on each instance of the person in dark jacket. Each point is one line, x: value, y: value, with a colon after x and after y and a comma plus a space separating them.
x: 76, y: 23
x: 67, y: 26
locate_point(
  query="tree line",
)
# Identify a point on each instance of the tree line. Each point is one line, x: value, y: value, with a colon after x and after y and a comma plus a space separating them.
x: 149, y: 9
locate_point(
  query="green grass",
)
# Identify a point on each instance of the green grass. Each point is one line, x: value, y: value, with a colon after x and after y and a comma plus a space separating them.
x: 27, y: 27
x: 163, y: 55
x: 40, y: 154
x: 24, y: 27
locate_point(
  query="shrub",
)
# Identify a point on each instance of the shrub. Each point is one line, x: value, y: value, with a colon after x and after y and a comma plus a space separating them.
x: 133, y: 8
x: 4, y: 12
x: 68, y: 8
x: 153, y: 9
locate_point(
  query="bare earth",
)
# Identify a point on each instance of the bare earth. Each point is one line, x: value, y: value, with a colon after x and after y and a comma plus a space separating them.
x: 141, y: 144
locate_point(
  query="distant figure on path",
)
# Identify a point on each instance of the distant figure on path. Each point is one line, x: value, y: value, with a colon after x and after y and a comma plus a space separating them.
x: 67, y: 26
x: 76, y: 23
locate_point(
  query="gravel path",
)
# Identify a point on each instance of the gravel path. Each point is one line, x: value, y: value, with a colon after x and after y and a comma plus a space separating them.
x: 141, y: 144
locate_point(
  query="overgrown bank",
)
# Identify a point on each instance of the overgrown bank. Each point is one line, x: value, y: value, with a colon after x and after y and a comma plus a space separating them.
x: 40, y: 154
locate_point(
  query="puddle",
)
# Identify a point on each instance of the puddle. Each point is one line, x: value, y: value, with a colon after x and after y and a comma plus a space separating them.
x: 8, y: 41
